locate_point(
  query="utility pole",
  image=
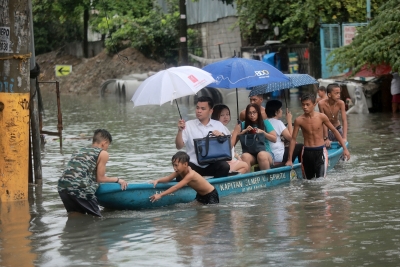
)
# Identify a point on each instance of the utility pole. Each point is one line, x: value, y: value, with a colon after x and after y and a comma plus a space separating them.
x: 15, y: 38
x: 34, y: 108
x: 183, y: 51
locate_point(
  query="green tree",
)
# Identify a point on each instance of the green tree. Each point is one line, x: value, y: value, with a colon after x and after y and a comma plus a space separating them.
x: 374, y: 44
x: 155, y: 34
x: 51, y: 29
x: 298, y: 20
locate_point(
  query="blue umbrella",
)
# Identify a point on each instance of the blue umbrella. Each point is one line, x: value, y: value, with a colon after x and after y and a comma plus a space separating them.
x: 241, y: 72
x: 296, y: 80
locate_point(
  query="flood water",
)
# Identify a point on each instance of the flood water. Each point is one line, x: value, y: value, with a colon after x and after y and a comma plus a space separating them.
x: 351, y: 218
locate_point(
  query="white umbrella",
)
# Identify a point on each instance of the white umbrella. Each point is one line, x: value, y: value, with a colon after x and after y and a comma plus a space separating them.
x: 170, y: 84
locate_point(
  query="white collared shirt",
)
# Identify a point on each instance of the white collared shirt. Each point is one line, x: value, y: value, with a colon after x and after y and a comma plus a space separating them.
x: 195, y: 129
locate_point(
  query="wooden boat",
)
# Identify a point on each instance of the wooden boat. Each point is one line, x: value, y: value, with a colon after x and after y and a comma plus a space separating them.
x: 136, y: 196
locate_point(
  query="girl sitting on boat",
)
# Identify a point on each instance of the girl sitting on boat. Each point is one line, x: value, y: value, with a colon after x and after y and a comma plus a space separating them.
x: 222, y: 113
x: 253, y: 124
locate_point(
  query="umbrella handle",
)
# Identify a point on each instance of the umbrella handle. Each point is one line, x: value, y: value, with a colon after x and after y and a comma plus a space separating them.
x: 237, y: 106
x: 178, y: 109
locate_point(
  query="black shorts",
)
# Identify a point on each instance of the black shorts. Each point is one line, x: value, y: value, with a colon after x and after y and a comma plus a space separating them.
x: 314, y: 162
x: 210, y: 198
x: 72, y: 203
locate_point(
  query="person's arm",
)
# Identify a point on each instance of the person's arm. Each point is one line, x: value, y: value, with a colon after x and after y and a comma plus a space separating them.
x: 174, y: 188
x: 338, y: 136
x: 179, y: 139
x: 164, y: 179
x: 289, y: 162
x: 289, y: 123
x: 236, y: 132
x: 325, y: 130
x: 286, y: 134
x: 269, y: 132
x: 344, y: 120
x: 271, y: 136
x: 242, y: 115
x: 101, y: 171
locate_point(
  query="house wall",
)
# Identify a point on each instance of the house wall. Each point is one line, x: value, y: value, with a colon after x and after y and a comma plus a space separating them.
x: 220, y: 38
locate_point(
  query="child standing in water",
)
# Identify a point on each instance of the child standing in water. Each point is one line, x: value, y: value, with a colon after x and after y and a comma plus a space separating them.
x: 314, y: 158
x: 331, y: 108
x: 85, y: 170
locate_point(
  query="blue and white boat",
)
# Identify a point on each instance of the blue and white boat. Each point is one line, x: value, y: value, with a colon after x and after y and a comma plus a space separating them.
x: 137, y: 195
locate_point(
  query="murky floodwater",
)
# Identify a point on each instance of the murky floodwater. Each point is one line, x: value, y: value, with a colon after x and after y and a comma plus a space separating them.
x: 351, y: 218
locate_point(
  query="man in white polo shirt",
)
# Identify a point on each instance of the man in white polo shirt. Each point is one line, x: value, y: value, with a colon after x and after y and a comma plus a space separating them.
x: 199, y: 128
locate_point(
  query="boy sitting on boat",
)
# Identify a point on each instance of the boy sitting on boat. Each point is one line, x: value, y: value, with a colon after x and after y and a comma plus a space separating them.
x: 86, y: 168
x: 206, y: 193
x: 314, y: 157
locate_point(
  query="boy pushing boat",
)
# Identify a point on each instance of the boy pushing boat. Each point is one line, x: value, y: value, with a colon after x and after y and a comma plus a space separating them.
x: 314, y: 157
x: 206, y: 193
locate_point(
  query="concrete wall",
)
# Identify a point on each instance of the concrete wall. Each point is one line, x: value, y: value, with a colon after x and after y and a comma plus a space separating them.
x: 220, y: 32
x: 76, y: 48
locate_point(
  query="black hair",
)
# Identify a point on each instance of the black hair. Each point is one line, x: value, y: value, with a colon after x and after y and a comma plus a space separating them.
x: 322, y: 88
x: 217, y: 109
x: 308, y: 97
x: 206, y: 99
x: 181, y: 157
x: 331, y: 86
x: 272, y: 107
x: 260, y: 121
x: 100, y: 135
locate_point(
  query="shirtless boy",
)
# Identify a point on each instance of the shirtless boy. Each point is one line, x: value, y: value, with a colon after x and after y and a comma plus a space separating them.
x: 206, y: 193
x: 255, y: 99
x: 321, y: 93
x: 331, y: 108
x: 314, y: 162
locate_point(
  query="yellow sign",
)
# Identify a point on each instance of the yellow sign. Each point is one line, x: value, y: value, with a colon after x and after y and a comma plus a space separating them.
x: 63, y: 70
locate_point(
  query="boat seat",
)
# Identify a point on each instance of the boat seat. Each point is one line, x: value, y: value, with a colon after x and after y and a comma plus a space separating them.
x: 255, y: 167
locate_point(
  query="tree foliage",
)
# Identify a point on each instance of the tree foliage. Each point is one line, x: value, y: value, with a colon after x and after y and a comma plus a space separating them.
x: 52, y: 29
x: 298, y: 20
x: 156, y: 34
x: 377, y: 43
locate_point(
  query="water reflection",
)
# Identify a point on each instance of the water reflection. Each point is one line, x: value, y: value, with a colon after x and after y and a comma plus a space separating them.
x: 349, y: 218
x: 15, y: 234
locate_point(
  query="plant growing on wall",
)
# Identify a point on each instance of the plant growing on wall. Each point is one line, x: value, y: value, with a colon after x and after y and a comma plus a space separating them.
x: 376, y: 43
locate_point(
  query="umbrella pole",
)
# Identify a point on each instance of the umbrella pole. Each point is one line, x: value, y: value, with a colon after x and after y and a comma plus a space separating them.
x: 237, y: 106
x: 178, y: 108
x: 284, y: 94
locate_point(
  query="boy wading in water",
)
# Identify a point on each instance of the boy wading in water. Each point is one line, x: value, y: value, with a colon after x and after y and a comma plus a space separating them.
x: 331, y: 108
x: 85, y: 170
x: 206, y: 193
x: 314, y: 158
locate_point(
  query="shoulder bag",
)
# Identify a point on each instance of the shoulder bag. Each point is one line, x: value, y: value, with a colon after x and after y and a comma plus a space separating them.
x: 211, y: 149
x: 252, y: 143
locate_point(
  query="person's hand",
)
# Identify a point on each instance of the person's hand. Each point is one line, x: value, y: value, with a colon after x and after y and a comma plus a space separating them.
x: 345, y: 140
x: 181, y: 125
x: 217, y: 133
x: 288, y: 116
x: 289, y: 163
x: 346, y: 154
x: 328, y: 143
x: 123, y: 184
x: 154, y: 182
x: 155, y: 197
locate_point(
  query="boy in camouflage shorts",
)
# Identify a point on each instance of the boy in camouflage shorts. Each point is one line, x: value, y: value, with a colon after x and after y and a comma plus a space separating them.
x: 86, y: 168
